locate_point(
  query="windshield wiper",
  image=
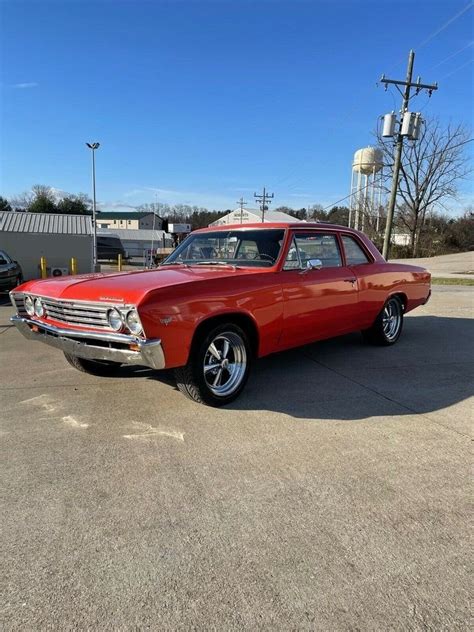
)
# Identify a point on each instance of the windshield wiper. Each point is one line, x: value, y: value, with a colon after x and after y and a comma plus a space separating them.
x: 175, y: 263
x: 214, y: 263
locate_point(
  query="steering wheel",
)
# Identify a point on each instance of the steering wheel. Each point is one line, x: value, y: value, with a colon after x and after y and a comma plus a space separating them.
x: 260, y: 255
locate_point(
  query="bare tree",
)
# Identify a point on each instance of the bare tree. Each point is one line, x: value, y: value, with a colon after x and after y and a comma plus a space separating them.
x: 431, y: 171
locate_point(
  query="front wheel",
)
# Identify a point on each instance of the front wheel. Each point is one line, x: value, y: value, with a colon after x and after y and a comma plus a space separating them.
x: 388, y: 325
x: 93, y: 367
x: 218, y: 366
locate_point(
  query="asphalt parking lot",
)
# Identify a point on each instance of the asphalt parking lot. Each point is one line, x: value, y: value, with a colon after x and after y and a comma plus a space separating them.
x: 333, y: 495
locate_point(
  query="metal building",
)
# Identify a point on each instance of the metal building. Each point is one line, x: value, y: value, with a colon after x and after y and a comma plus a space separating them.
x: 137, y: 242
x: 27, y: 237
x: 252, y: 216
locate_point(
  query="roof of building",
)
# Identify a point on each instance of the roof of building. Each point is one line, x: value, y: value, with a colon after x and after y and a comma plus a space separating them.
x: 132, y: 234
x: 270, y: 216
x: 124, y: 215
x: 46, y: 223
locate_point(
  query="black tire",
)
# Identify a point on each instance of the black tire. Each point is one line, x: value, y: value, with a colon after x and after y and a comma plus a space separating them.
x: 388, y: 325
x: 93, y: 367
x: 194, y: 379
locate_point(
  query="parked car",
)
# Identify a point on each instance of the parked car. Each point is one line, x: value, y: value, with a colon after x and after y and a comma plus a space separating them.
x: 10, y: 272
x: 225, y: 296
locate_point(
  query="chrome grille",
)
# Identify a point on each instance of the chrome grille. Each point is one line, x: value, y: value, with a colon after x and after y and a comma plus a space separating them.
x: 74, y: 313
x: 18, y: 302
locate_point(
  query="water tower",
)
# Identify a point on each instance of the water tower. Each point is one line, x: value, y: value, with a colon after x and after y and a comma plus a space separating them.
x: 366, y: 187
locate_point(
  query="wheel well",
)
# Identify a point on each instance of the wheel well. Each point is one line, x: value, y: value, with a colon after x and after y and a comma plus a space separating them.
x: 404, y: 299
x: 242, y: 320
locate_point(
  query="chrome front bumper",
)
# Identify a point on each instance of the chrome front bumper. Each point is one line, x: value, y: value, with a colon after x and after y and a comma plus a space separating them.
x: 111, y: 347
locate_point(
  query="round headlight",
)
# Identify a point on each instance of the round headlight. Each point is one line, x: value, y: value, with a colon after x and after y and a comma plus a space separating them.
x: 115, y: 319
x: 29, y: 306
x: 39, y: 309
x: 133, y: 322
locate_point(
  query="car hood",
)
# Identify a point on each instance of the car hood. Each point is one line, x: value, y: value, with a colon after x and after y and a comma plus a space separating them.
x: 126, y: 287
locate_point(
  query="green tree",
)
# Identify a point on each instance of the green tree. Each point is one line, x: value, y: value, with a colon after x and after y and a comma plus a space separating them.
x: 74, y: 205
x: 5, y: 204
x: 43, y: 200
x: 339, y: 215
x: 459, y: 234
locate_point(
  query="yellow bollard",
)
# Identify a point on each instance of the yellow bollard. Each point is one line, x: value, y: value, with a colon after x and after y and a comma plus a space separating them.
x: 44, y: 274
x: 119, y: 262
x: 73, y: 265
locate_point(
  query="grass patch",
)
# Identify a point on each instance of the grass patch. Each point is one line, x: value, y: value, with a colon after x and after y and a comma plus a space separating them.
x: 453, y: 281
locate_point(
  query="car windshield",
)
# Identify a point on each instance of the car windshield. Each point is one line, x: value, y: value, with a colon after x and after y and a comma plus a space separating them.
x: 242, y: 248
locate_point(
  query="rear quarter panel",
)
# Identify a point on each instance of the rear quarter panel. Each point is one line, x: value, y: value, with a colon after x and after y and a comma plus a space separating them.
x: 381, y: 280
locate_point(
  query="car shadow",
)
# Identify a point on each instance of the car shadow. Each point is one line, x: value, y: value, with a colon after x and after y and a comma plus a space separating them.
x: 429, y: 369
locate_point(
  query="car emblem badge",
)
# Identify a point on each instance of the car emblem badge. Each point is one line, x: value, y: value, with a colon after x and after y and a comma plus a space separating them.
x: 166, y: 321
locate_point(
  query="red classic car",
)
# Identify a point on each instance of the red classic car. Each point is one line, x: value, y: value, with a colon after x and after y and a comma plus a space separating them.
x: 225, y: 296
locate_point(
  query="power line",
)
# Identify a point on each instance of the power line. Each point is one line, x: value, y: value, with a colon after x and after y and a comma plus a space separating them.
x: 451, y: 56
x: 445, y: 25
x: 437, y: 31
x: 458, y: 68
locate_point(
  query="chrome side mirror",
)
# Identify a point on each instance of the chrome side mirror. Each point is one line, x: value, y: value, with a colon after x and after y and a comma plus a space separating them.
x: 314, y: 264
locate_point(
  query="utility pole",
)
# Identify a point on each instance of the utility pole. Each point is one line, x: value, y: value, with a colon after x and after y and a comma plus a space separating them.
x: 241, y: 203
x: 408, y: 84
x: 263, y: 199
x: 153, y: 230
x: 93, y: 147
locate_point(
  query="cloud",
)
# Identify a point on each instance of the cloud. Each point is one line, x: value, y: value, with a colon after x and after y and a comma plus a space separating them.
x: 172, y: 196
x: 115, y: 206
x: 24, y: 86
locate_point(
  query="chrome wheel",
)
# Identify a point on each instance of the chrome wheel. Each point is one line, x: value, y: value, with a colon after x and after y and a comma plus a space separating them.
x: 392, y: 319
x: 225, y: 363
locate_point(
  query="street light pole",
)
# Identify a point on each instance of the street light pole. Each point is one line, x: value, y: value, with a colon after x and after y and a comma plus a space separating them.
x: 93, y: 147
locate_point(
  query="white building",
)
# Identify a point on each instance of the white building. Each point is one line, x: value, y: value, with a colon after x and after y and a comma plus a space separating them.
x: 252, y: 216
x: 133, y: 220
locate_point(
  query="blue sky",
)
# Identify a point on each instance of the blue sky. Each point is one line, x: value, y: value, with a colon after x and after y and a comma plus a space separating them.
x: 202, y: 102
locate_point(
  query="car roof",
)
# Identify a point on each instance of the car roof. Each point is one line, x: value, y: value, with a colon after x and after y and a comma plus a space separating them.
x: 281, y: 225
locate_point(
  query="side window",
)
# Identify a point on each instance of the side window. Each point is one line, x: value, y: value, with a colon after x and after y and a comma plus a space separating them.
x: 292, y: 261
x: 307, y: 246
x: 354, y: 253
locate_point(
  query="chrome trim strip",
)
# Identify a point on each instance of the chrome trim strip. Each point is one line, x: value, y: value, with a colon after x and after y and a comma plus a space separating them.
x: 106, y: 304
x: 150, y: 352
x: 79, y: 333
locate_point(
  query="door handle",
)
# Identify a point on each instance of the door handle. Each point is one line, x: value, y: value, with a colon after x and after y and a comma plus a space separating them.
x: 350, y: 280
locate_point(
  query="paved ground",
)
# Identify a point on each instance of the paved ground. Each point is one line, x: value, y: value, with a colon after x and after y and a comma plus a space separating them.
x: 334, y: 495
x: 459, y: 265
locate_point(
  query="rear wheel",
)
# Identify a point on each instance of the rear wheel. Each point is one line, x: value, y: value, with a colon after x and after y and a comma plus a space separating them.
x: 93, y: 367
x: 388, y: 325
x: 218, y: 366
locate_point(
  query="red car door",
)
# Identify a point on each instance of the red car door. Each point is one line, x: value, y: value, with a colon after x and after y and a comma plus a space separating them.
x: 360, y: 261
x: 318, y: 303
